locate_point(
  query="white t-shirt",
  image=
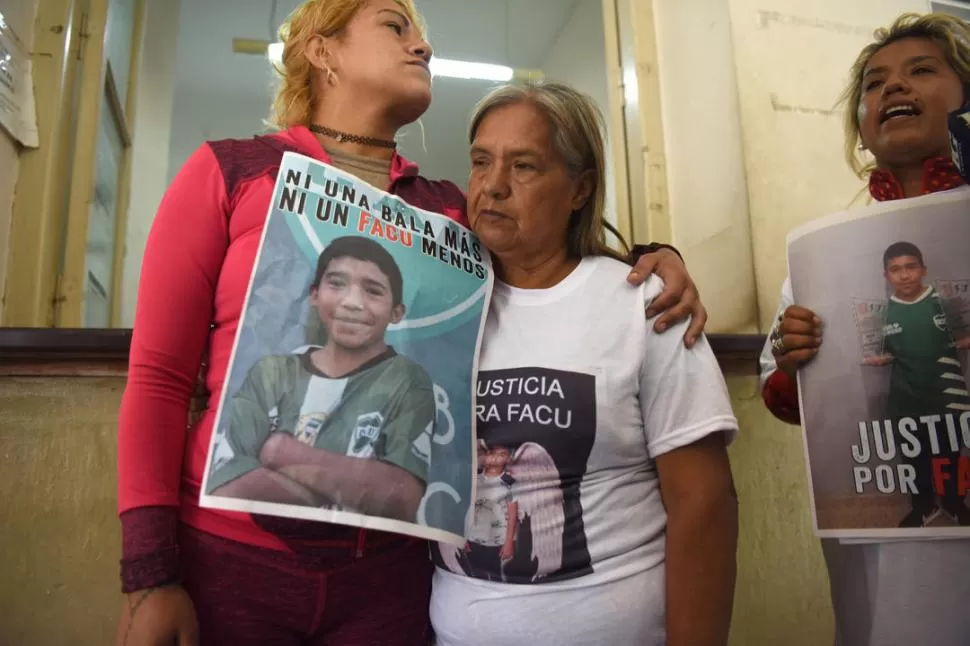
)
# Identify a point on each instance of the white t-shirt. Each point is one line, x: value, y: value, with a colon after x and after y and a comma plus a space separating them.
x: 577, y: 395
x: 895, y: 593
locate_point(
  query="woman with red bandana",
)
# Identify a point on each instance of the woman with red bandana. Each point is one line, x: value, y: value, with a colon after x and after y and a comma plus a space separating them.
x: 903, y: 85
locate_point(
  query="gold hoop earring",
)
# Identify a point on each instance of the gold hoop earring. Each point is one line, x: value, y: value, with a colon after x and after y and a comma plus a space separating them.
x: 331, y: 77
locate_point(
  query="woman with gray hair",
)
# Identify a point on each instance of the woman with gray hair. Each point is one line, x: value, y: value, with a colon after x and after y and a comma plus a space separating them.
x: 602, y: 457
x: 352, y: 74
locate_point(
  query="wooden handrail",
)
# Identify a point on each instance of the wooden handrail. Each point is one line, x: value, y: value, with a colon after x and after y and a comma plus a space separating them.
x: 60, y: 346
x: 63, y: 344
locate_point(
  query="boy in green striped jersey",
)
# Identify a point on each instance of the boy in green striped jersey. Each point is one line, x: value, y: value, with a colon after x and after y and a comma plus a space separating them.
x: 347, y: 425
x: 927, y: 377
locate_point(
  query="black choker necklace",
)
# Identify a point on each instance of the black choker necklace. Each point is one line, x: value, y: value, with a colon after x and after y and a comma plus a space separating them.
x: 356, y: 139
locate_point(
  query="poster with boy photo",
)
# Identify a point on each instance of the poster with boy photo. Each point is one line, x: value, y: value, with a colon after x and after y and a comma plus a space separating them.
x: 885, y: 408
x: 349, y: 396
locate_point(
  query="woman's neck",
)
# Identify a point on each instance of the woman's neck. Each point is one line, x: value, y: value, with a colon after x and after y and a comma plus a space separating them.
x: 538, y: 271
x: 910, y: 178
x: 352, y: 118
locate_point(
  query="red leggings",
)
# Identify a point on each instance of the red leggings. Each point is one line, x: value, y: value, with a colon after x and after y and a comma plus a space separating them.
x: 250, y: 596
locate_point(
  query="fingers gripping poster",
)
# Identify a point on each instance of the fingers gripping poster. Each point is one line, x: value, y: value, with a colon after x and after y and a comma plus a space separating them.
x: 885, y: 407
x: 349, y: 395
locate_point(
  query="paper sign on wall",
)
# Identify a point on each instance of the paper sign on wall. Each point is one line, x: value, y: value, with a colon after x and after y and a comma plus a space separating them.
x: 17, y: 110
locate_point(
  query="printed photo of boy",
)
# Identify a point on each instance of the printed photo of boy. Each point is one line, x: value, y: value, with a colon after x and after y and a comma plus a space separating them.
x: 926, y: 376
x: 346, y: 425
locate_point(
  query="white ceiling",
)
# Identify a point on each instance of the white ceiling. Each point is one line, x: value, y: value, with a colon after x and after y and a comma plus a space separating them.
x: 509, y: 32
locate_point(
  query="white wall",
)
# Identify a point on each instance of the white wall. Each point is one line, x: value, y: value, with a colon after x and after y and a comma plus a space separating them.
x: 19, y: 15
x: 202, y: 114
x: 199, y: 115
x: 792, y: 59
x: 151, y: 140
x: 752, y: 132
x: 707, y: 189
x: 578, y: 57
x: 442, y: 151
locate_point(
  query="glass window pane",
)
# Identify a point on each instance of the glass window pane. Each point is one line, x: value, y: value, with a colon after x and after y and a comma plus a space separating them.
x: 121, y: 21
x: 99, y: 259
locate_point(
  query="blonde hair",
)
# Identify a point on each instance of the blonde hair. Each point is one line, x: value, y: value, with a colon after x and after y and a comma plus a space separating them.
x: 295, y: 97
x: 577, y: 136
x: 947, y: 32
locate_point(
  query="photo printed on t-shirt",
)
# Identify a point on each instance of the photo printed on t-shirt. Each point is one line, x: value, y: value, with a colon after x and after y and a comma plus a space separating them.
x: 536, y: 429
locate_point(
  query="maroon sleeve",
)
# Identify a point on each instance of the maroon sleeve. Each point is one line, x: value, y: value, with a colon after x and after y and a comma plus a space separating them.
x: 643, y: 249
x: 781, y: 397
x: 454, y: 202
x: 183, y: 257
x: 149, y: 550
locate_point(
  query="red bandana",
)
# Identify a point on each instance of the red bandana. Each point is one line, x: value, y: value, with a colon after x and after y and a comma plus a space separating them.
x: 939, y: 174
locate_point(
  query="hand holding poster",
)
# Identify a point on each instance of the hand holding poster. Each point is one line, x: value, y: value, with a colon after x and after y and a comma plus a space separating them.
x: 885, y: 407
x: 349, y: 392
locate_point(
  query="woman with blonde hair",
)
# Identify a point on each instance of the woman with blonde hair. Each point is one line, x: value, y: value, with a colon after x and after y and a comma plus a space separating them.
x: 605, y: 510
x: 353, y: 73
x: 902, y: 87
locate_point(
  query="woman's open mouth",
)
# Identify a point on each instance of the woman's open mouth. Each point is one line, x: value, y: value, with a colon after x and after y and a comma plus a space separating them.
x: 898, y: 112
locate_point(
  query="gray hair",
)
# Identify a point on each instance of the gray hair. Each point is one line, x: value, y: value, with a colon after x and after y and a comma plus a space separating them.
x: 577, y: 137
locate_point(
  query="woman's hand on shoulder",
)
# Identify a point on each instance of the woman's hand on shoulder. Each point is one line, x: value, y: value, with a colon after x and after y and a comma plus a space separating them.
x: 162, y: 616
x: 795, y: 338
x: 679, y: 298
